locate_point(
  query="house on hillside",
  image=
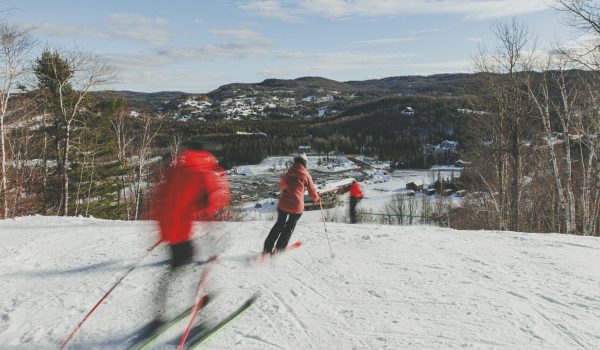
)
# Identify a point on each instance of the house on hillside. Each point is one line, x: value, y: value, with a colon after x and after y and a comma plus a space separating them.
x: 416, y: 185
x: 408, y: 111
x: 448, y: 145
x: 444, y: 146
x: 461, y: 163
x: 322, y: 111
x: 304, y: 149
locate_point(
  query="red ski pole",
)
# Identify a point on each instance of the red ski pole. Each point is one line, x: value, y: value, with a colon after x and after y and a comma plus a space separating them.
x: 131, y: 268
x: 198, y: 304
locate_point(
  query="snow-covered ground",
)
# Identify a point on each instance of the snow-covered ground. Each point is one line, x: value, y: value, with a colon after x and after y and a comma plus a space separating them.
x: 387, y: 287
x: 279, y: 164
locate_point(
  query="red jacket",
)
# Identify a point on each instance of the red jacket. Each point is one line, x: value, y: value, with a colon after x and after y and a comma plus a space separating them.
x: 292, y: 185
x: 355, y: 191
x: 195, y: 186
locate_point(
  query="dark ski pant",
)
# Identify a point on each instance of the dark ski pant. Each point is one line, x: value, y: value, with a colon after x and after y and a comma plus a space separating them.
x: 353, y: 202
x: 182, y: 254
x: 281, y: 231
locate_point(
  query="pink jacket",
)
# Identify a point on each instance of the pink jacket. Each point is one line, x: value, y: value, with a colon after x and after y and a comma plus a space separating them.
x: 292, y: 185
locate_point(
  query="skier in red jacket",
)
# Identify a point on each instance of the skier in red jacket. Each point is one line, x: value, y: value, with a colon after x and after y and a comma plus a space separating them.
x: 291, y: 203
x: 355, y: 196
x: 195, y: 187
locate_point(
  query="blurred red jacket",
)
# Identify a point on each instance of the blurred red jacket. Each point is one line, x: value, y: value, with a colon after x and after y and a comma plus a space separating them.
x: 196, y: 186
x: 292, y: 185
x: 355, y: 191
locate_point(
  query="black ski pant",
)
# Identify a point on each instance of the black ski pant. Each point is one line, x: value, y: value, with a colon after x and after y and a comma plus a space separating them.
x: 353, y: 202
x: 281, y: 231
x: 182, y: 254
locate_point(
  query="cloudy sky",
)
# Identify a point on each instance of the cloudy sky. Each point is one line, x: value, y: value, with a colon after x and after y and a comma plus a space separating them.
x: 198, y: 45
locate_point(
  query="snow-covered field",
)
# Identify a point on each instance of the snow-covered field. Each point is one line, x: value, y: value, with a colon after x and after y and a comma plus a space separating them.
x: 387, y: 287
x: 279, y: 164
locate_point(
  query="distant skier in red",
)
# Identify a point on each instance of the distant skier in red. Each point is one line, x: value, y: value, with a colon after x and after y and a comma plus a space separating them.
x: 355, y: 196
x: 195, y: 187
x: 291, y: 203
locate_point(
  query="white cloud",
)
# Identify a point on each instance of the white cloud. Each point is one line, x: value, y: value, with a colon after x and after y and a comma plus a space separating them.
x: 314, y: 62
x: 384, y: 41
x: 427, y: 31
x: 240, y: 36
x: 272, y: 9
x: 134, y: 20
x: 427, y: 68
x: 118, y: 26
x: 472, y: 9
x: 151, y: 80
x: 474, y: 39
x: 231, y: 43
x: 137, y: 61
x: 199, y: 20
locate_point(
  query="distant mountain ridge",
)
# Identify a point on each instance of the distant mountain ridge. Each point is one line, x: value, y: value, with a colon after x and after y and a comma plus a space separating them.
x: 304, y: 97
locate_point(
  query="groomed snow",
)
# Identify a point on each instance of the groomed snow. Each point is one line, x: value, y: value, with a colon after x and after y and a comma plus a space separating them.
x: 387, y: 287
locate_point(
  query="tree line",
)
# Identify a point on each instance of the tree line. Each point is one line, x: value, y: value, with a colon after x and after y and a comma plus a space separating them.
x: 535, y: 153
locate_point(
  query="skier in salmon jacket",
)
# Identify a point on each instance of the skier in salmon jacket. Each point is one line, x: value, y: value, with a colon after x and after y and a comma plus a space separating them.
x: 291, y: 203
x: 194, y: 188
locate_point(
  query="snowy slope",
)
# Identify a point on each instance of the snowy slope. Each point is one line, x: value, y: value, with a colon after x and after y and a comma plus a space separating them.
x: 387, y: 287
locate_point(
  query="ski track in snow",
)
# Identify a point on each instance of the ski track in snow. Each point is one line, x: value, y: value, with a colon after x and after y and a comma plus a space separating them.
x: 388, y: 287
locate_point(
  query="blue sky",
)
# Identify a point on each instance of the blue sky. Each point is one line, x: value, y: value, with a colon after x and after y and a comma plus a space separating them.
x: 196, y: 46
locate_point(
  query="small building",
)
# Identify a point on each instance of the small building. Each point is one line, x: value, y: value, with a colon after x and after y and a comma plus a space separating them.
x: 448, y: 145
x: 461, y: 163
x: 322, y: 111
x: 461, y: 193
x: 415, y: 186
x: 408, y: 111
x: 447, y: 192
x: 430, y: 192
x: 305, y: 149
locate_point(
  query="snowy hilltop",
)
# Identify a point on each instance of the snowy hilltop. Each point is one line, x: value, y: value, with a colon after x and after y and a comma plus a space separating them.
x: 387, y: 287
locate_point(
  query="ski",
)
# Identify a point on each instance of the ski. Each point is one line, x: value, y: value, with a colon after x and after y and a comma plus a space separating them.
x: 150, y: 332
x: 262, y: 258
x: 201, y: 334
x: 200, y: 300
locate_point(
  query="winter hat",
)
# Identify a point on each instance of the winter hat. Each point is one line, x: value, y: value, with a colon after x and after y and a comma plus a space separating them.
x: 302, y: 159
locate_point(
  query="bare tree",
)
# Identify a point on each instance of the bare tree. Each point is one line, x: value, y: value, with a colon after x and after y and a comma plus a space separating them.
x: 504, y: 71
x: 584, y: 16
x: 548, y: 107
x: 124, y: 138
x: 145, y: 141
x: 15, y: 46
x: 587, y: 126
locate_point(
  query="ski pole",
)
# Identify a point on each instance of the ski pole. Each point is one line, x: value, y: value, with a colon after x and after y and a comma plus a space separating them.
x: 325, y: 227
x: 198, y: 303
x: 131, y: 268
